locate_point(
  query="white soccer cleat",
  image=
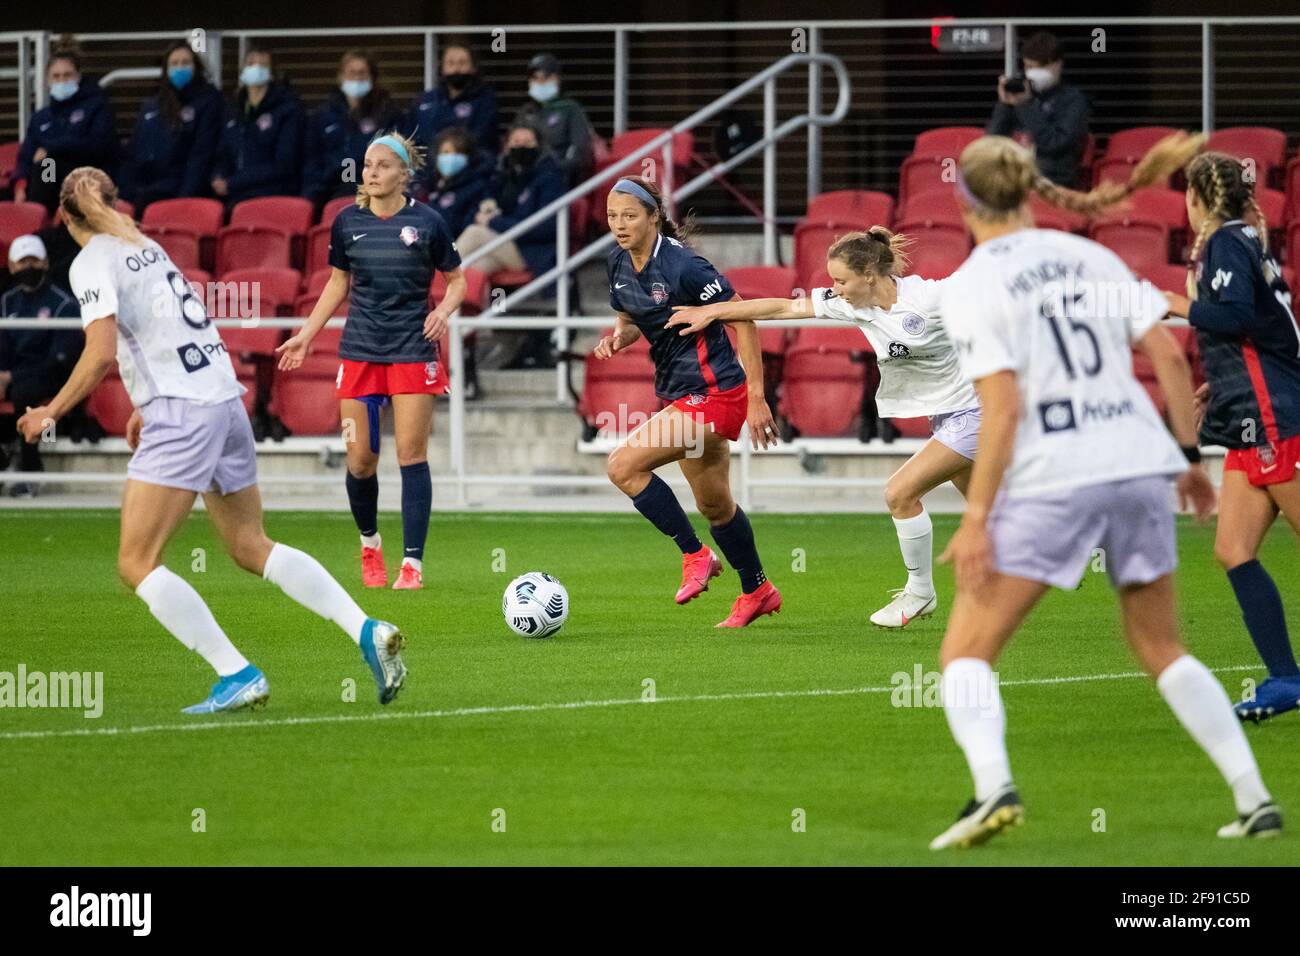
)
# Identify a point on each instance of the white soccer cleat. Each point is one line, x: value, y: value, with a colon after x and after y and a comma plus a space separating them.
x: 982, y: 819
x: 904, y: 608
x: 1263, y: 822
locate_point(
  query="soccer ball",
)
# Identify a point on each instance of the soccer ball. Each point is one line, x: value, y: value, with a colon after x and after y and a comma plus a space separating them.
x: 535, y: 604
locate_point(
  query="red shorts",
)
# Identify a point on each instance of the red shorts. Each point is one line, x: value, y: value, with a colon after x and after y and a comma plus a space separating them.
x: 1266, y: 464
x: 399, y: 378
x: 725, y: 411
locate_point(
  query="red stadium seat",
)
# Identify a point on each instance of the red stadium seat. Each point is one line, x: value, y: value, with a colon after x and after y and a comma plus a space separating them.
x: 199, y: 217
x: 824, y: 381
x: 110, y: 405
x: 946, y: 141
x: 276, y: 289
x: 811, y: 242
x: 315, y: 281
x: 19, y: 219
x: 762, y: 282
x: 199, y: 278
x: 1272, y: 203
x: 1141, y: 243
x: 510, y: 278
x: 936, y: 242
x: 252, y: 247
x: 1264, y: 145
x: 8, y: 161
x: 1167, y: 206
x: 619, y: 393
x: 121, y: 205
x: 912, y: 427
x: 1132, y: 144
x: 304, y: 399
x: 291, y: 214
x: 316, y: 256
x: 305, y: 303
x: 852, y: 205
x: 181, y: 245
x: 1109, y: 169
x: 333, y: 207
x: 923, y: 174
x: 626, y: 143
x: 935, y: 260
x: 1166, y: 276
x: 937, y: 207
x: 1293, y: 189
x: 1048, y: 216
x: 476, y: 290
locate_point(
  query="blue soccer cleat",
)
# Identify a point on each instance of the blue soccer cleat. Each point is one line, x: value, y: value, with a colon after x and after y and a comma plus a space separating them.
x: 247, y: 688
x: 381, y: 646
x: 1275, y: 696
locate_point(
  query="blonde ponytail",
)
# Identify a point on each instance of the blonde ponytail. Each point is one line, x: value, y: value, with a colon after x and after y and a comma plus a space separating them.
x: 86, y: 199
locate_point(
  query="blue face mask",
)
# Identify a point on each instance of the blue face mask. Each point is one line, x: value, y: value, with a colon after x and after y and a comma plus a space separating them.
x: 62, y: 91
x: 544, y: 92
x: 255, y: 75
x: 180, y: 76
x: 355, y: 88
x: 449, y: 164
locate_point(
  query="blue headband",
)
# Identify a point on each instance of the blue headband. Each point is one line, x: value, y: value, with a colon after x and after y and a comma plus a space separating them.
x: 637, y: 191
x: 397, y: 147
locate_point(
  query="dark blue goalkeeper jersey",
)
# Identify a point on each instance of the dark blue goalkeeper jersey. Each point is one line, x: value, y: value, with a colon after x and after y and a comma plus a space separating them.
x: 675, y: 275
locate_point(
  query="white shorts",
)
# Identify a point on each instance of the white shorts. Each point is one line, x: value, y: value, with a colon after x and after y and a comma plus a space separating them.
x: 959, y: 430
x: 196, y: 447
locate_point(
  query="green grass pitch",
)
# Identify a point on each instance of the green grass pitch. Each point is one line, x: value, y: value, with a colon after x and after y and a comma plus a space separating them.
x: 720, y: 769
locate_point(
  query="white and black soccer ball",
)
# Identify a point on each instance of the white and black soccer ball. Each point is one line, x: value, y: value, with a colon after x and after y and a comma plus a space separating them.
x: 535, y: 604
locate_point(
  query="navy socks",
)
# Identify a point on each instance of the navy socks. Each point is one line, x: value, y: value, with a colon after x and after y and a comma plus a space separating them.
x: 363, y: 496
x: 736, y: 539
x: 1261, y: 609
x: 417, y: 499
x: 660, y: 506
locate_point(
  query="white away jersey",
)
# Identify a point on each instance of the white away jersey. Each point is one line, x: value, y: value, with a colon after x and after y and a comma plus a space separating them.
x: 919, y: 371
x: 1062, y: 312
x: 166, y: 344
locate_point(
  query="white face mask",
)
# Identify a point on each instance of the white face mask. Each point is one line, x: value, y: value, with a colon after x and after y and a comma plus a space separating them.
x: 1041, y: 78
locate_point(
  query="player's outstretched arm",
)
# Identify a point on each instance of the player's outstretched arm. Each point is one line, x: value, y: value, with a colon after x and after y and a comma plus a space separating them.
x: 295, y: 349
x: 96, y: 359
x: 695, y: 318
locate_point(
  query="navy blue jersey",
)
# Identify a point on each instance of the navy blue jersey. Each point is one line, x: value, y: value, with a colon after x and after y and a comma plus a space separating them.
x: 684, y: 364
x: 392, y: 262
x: 1249, y: 341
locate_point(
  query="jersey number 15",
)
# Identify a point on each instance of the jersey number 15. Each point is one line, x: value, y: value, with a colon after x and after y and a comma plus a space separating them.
x: 1062, y: 307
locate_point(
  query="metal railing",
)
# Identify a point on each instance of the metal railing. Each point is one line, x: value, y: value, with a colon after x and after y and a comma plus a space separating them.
x: 558, y: 209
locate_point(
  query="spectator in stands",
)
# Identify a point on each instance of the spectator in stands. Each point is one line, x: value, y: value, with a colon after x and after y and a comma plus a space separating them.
x: 1048, y: 114
x: 461, y: 178
x: 461, y: 98
x: 339, y: 132
x: 75, y: 129
x: 261, y: 144
x: 560, y: 118
x: 34, y: 363
x: 176, y: 134
x: 527, y: 179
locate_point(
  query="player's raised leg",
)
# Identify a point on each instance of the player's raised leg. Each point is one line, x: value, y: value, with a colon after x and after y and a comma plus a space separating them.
x: 150, y: 516
x: 708, y: 471
x: 631, y: 465
x: 238, y: 520
x: 1200, y: 703
x: 981, y: 623
x: 412, y: 421
x: 363, y: 489
x: 1245, y: 515
x: 930, y: 467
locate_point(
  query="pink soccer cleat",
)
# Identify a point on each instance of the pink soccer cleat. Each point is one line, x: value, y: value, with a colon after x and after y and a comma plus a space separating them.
x: 373, y: 572
x: 697, y: 570
x: 409, y: 578
x: 748, y: 607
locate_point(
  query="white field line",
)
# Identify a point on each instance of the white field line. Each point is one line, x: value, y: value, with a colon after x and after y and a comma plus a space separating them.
x: 258, y: 724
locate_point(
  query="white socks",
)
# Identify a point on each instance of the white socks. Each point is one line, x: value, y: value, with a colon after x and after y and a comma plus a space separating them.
x: 1203, y: 708
x: 415, y: 563
x: 180, y: 609
x: 916, y: 541
x: 973, y: 706
x: 370, y: 540
x: 302, y: 577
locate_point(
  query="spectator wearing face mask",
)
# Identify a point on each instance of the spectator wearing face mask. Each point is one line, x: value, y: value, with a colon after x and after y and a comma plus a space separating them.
x: 176, y: 134
x: 74, y: 129
x: 460, y: 178
x: 461, y: 98
x: 561, y: 120
x: 261, y: 144
x: 1049, y: 115
x: 341, y: 129
x: 34, y: 363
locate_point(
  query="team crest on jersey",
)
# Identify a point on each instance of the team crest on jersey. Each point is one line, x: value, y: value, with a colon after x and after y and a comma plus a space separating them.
x: 659, y: 292
x: 192, y: 357
x: 898, y: 350
x: 187, y: 114
x: 914, y: 324
x: 464, y: 110
x: 367, y: 126
x: 76, y: 117
x: 264, y: 122
x: 408, y: 235
x: 446, y: 199
x: 43, y: 312
x: 696, y: 399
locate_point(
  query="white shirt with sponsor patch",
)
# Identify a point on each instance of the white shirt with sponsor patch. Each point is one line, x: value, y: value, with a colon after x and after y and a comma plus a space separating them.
x: 1062, y: 312
x: 166, y: 344
x: 919, y: 371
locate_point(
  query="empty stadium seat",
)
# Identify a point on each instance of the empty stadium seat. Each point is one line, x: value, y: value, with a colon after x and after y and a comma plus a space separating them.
x: 1264, y: 145
x: 181, y: 245
x: 252, y: 247
x: 304, y: 399
x: 8, y: 161
x: 110, y: 405
x: 824, y: 381
x: 291, y: 214
x: 1166, y: 276
x: 811, y: 242
x: 935, y: 260
x: 937, y: 206
x: 922, y: 174
x: 333, y: 207
x: 1132, y: 144
x: 1110, y: 169
x: 276, y: 288
x: 1141, y: 243
x: 201, y: 218
x: 945, y: 140
x: 1048, y: 216
x: 852, y: 205
x: 317, y: 251
x: 939, y: 240
x: 1292, y: 189
x: 477, y: 293
x: 1165, y: 206
x: 617, y: 392
x: 768, y: 282
x: 19, y: 219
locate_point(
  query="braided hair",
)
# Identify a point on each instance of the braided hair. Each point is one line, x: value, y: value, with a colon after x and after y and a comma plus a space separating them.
x: 1220, y: 182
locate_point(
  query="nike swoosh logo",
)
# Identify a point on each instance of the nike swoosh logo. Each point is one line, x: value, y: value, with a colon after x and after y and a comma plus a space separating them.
x: 362, y: 236
x: 905, y: 619
x: 429, y: 381
x: 619, y: 285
